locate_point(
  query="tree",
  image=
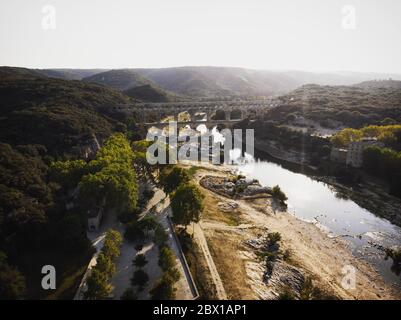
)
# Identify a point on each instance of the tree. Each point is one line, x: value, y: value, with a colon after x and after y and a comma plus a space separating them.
x: 140, y: 279
x: 187, y: 204
x: 12, y: 282
x: 148, y: 223
x: 161, y: 236
x: 69, y: 172
x: 134, y: 232
x: 164, y: 288
x: 115, y: 236
x: 171, y: 180
x: 71, y: 234
x: 140, y: 261
x: 345, y: 136
x: 97, y: 286
x: 105, y: 264
x: 166, y: 259
x: 112, y: 243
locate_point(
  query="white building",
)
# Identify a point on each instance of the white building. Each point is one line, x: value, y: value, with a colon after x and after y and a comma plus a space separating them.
x: 95, y: 216
x: 355, y: 151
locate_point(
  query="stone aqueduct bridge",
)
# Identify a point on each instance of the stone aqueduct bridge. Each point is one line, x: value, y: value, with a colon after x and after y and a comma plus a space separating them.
x: 152, y: 114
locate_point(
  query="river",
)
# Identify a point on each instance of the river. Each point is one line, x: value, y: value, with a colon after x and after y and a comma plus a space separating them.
x: 316, y: 202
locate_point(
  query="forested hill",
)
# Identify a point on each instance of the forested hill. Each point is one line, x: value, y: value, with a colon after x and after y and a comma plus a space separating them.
x: 350, y: 106
x: 55, y: 113
x: 41, y: 120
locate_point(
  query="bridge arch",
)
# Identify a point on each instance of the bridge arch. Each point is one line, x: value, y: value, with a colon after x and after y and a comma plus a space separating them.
x: 236, y: 114
x: 218, y: 114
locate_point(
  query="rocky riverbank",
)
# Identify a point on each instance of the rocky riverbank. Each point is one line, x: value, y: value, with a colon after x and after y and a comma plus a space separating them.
x: 236, y: 187
x: 307, y: 264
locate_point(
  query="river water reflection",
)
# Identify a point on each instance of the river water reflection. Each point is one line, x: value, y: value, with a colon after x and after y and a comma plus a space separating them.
x: 317, y: 202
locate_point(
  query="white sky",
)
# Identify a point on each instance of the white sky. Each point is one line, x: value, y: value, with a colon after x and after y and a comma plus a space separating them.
x: 262, y: 34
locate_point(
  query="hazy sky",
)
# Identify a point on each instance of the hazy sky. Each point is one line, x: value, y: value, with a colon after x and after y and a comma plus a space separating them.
x: 315, y: 35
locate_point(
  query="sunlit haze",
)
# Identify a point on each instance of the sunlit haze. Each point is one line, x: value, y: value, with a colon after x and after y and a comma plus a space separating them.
x: 264, y: 34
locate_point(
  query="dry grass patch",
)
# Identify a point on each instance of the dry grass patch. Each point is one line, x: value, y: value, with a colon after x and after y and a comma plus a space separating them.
x: 212, y: 211
x: 225, y: 248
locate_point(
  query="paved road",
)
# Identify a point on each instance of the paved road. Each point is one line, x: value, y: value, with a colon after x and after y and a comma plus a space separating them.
x: 159, y: 207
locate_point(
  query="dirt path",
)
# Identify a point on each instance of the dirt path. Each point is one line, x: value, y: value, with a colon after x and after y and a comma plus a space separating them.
x: 199, y: 237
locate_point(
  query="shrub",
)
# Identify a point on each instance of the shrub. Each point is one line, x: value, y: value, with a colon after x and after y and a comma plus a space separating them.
x: 174, y: 274
x: 278, y: 194
x: 286, y: 294
x: 274, y: 237
x: 139, y: 247
x: 394, y: 254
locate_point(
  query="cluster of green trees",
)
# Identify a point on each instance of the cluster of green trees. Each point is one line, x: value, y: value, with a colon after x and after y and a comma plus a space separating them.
x: 138, y: 230
x: 98, y: 286
x: 384, y: 163
x: 164, y: 288
x: 186, y: 199
x: 110, y: 177
x: 390, y: 135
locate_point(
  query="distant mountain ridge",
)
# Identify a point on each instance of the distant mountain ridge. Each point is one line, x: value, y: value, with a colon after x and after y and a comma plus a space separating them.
x: 212, y: 82
x: 193, y: 82
x: 373, y: 84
